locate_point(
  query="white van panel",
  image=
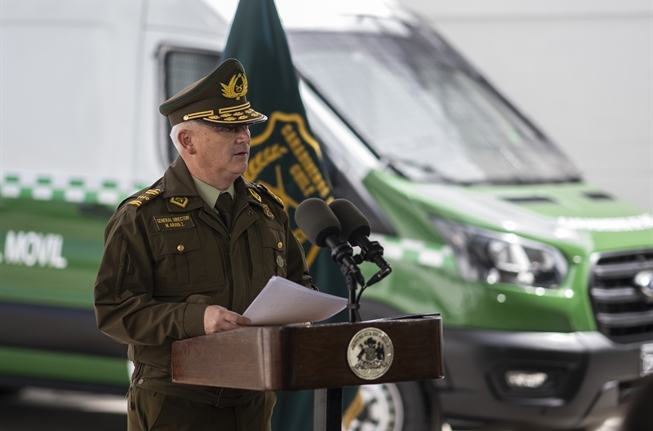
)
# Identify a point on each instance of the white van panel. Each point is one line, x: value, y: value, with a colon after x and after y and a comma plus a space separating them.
x: 152, y: 132
x: 188, y: 17
x: 72, y: 80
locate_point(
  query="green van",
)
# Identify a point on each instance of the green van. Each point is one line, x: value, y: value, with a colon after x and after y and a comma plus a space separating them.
x: 544, y: 283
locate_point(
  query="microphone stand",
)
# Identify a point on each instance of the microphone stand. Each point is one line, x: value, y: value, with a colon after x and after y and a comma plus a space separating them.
x: 352, y: 304
x: 327, y: 404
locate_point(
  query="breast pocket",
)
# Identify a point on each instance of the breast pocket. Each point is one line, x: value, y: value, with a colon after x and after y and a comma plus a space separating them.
x: 181, y: 264
x: 271, y: 256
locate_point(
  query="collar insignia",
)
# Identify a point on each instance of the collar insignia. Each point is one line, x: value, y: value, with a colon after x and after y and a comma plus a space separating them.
x: 236, y: 88
x: 179, y: 201
x: 254, y: 195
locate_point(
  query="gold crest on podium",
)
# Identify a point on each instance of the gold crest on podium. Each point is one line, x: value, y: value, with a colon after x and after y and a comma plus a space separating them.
x: 370, y: 353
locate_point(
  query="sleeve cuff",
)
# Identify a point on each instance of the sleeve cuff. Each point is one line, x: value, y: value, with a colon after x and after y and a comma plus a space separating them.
x: 194, y: 320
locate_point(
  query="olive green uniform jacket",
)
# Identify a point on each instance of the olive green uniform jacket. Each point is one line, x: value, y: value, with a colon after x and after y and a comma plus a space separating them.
x: 168, y: 255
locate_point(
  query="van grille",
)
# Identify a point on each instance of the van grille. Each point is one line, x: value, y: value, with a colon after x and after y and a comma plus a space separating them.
x: 624, y: 313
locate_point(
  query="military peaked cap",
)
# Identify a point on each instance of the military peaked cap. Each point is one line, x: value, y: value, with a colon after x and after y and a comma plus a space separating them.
x: 218, y: 99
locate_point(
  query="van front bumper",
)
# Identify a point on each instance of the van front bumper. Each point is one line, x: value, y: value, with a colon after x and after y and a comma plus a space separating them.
x: 589, y: 378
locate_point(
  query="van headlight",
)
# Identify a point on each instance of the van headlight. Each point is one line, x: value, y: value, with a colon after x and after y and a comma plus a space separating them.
x: 495, y: 257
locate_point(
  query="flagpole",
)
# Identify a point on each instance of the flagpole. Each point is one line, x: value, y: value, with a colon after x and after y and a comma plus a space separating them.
x: 257, y: 39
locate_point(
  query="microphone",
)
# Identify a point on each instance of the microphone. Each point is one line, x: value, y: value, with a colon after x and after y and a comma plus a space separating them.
x: 355, y: 228
x: 322, y: 228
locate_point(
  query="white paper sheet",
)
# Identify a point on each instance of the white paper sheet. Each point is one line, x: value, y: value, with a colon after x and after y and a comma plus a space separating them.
x: 283, y: 302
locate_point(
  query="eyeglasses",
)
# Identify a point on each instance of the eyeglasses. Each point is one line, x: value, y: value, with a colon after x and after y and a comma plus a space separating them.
x: 236, y: 128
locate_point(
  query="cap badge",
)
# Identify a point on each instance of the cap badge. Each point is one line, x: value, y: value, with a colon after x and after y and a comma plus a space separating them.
x: 236, y: 88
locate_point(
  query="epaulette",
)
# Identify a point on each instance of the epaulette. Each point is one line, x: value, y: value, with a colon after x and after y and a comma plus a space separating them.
x: 272, y: 195
x: 145, y: 197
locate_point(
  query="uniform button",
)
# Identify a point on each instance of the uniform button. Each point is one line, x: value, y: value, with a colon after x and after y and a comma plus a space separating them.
x: 140, y: 382
x: 180, y: 247
x: 250, y: 213
x: 279, y: 245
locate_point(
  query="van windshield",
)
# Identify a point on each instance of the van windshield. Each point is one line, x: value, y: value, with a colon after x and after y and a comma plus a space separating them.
x: 423, y: 110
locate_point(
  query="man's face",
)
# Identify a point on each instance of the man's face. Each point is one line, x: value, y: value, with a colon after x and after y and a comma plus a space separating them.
x: 221, y: 151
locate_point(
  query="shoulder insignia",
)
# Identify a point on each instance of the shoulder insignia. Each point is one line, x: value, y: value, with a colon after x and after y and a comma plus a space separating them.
x: 254, y: 194
x: 269, y: 192
x: 180, y: 201
x: 145, y: 197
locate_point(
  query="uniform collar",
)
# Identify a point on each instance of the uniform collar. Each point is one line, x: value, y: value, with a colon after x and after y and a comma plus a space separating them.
x: 177, y: 180
x: 179, y: 189
x: 178, y: 184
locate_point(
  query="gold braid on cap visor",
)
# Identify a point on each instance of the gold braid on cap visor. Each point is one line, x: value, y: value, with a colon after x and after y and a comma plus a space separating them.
x: 226, y: 115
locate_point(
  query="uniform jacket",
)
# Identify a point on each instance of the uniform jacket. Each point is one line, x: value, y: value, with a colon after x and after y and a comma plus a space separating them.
x: 168, y: 255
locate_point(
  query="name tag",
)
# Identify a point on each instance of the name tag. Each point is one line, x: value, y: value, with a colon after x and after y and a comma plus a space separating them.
x: 176, y: 222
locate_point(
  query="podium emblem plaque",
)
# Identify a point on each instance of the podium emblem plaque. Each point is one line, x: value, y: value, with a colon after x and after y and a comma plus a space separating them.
x: 370, y: 353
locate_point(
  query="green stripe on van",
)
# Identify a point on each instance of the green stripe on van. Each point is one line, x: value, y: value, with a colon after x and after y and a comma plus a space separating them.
x: 76, y: 190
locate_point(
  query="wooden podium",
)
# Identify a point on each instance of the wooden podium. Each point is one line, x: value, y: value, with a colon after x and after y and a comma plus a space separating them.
x: 284, y: 358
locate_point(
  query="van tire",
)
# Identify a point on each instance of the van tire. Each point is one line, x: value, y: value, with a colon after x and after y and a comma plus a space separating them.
x: 406, y: 406
x: 394, y: 407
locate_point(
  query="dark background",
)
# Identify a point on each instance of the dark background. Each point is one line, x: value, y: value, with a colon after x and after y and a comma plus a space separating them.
x: 34, y: 409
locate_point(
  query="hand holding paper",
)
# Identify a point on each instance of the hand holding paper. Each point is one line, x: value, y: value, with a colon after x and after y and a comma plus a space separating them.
x: 283, y: 302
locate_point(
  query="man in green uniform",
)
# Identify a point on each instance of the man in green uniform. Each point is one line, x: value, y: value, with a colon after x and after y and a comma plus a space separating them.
x: 186, y: 256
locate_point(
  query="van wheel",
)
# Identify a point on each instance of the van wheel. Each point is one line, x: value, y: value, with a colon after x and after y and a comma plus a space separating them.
x: 392, y: 407
x: 404, y: 406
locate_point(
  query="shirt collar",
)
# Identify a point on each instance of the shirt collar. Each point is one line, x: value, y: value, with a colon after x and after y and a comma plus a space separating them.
x: 209, y: 193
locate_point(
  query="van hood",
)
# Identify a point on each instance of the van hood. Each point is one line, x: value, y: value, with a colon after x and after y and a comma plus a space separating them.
x: 569, y: 212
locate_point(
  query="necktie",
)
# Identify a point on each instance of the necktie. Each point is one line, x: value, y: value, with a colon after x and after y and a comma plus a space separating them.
x: 223, y: 205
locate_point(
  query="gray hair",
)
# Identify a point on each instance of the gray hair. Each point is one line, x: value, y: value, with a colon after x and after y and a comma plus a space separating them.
x: 174, y: 133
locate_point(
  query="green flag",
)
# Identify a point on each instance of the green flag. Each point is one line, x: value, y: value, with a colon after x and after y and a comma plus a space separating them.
x: 285, y: 157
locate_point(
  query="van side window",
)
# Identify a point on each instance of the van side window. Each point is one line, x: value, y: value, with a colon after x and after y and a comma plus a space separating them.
x: 180, y: 67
